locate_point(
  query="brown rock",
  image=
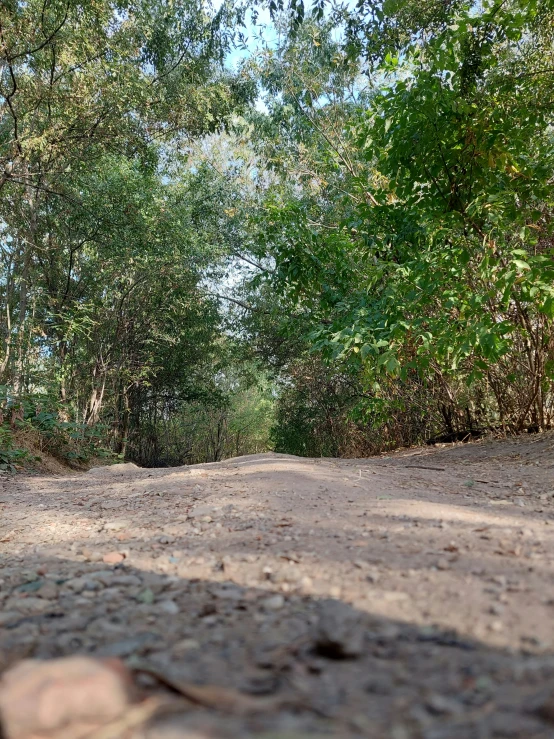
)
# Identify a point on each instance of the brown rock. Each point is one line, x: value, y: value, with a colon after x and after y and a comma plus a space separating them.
x: 113, y: 558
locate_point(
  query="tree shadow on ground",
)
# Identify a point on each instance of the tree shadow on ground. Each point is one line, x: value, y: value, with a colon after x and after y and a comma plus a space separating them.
x: 349, y: 673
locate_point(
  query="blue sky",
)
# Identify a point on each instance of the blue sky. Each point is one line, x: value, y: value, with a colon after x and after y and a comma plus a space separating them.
x: 252, y: 33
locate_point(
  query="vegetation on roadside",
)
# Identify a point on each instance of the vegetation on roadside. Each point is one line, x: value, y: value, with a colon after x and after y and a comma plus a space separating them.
x: 341, y: 245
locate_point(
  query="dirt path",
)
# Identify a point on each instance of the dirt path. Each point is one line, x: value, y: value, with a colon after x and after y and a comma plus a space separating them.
x: 404, y: 596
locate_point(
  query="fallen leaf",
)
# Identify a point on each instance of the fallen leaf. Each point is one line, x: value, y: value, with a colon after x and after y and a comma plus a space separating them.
x: 515, y: 552
x: 227, y: 700
x: 135, y: 716
x: 42, y: 698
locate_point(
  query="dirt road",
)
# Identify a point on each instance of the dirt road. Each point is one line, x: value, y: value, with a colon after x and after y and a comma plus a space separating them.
x: 405, y: 596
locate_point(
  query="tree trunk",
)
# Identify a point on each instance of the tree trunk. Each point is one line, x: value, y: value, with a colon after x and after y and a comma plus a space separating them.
x: 26, y: 250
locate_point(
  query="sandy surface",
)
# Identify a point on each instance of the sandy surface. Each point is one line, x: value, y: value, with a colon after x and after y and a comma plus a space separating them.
x: 405, y: 596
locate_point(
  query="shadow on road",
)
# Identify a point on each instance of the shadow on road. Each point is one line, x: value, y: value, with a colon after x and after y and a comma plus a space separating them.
x: 347, y: 672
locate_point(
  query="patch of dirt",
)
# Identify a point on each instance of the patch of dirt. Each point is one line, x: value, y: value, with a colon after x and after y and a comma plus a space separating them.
x: 404, y: 596
x: 39, y: 461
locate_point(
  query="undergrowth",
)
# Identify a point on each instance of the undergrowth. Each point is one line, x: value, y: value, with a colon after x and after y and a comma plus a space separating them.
x: 34, y: 426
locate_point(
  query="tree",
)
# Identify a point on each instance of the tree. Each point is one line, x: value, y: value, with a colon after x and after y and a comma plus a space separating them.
x: 81, y: 82
x: 419, y: 247
x: 108, y: 232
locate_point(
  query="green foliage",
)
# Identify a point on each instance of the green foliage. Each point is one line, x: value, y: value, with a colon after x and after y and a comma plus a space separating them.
x: 110, y: 227
x: 232, y: 418
x: 36, y: 421
x: 415, y: 231
x: 364, y: 260
x: 10, y: 456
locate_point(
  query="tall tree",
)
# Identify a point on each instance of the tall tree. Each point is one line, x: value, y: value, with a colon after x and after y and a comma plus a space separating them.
x: 79, y: 82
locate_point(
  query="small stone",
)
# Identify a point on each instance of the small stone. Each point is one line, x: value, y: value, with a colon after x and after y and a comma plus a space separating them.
x: 30, y: 587
x: 273, y: 603
x: 103, y: 576
x: 39, y: 698
x: 341, y: 631
x: 78, y: 584
x: 185, y: 645
x: 441, y: 704
x: 201, y: 511
x: 113, y: 558
x: 7, y: 618
x: 382, y: 684
x: 30, y: 605
x: 146, y: 596
x: 48, y: 591
x: 443, y: 564
x: 131, y: 646
x: 117, y: 525
x: 169, y: 606
x: 109, y: 594
x: 111, y: 504
x: 259, y: 684
x: 126, y: 580
x: 394, y: 596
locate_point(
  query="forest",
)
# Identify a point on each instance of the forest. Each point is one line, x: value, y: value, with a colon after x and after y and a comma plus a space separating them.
x: 325, y: 230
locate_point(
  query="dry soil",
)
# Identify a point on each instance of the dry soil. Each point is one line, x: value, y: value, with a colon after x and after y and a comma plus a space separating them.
x: 410, y: 595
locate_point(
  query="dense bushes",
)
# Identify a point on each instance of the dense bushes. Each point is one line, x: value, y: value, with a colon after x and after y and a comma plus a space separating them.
x: 231, y: 424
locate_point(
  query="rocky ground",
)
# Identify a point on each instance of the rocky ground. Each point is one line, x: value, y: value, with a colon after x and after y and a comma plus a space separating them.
x: 405, y: 596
